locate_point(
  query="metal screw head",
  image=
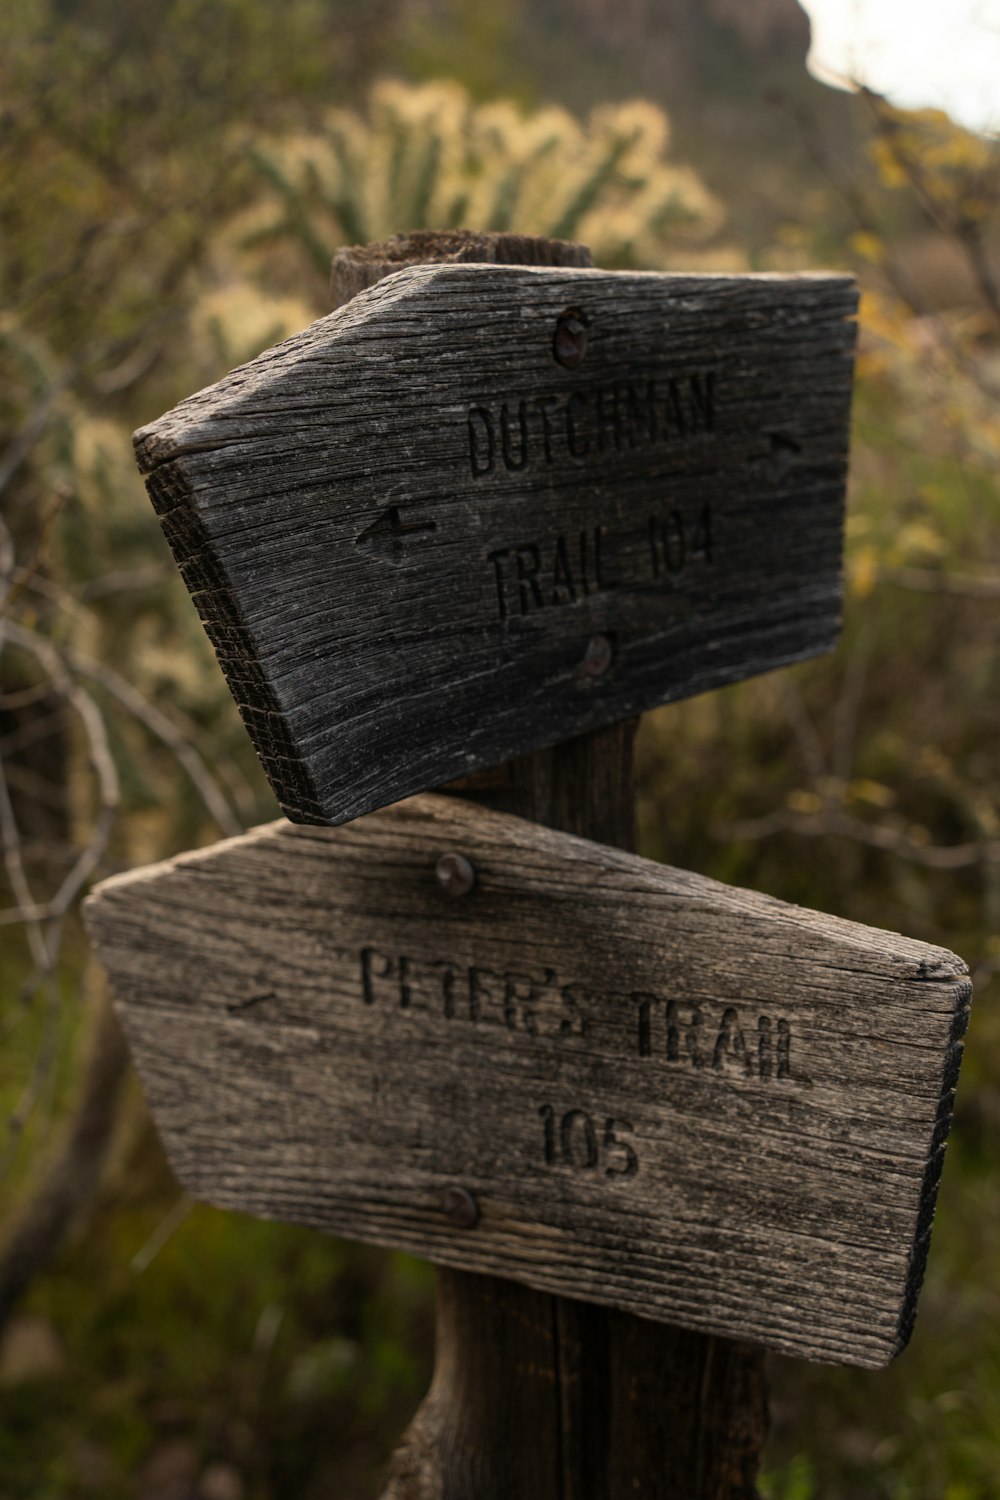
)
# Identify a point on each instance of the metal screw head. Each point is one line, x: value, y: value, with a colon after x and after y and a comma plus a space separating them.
x: 570, y: 343
x: 455, y: 874
x: 598, y: 656
x: 460, y: 1207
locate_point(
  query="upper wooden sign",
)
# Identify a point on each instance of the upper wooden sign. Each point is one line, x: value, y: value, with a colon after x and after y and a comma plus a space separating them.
x: 515, y: 1051
x: 485, y: 508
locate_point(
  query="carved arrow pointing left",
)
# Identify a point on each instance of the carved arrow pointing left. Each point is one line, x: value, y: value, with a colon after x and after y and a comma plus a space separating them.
x: 388, y: 533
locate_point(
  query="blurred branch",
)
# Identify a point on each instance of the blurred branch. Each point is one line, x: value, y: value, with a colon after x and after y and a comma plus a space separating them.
x: 163, y: 729
x: 809, y: 744
x: 850, y: 195
x: 949, y: 218
x: 42, y: 946
x: 927, y: 581
x: 8, y: 557
x: 848, y: 710
x: 31, y: 430
x: 72, y: 1176
x: 164, y: 1231
x: 101, y: 761
x: 834, y: 821
x: 957, y: 225
x: 125, y: 581
x: 31, y: 732
x: 128, y: 373
x: 21, y: 577
x: 56, y: 666
x: 25, y: 697
x: 25, y: 910
x: 41, y: 789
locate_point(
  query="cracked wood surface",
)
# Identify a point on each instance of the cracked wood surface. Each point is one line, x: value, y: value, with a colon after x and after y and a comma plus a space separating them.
x: 666, y: 1095
x: 406, y: 527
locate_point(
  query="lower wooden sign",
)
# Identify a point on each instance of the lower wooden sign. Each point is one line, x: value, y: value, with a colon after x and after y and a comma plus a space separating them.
x: 510, y: 1050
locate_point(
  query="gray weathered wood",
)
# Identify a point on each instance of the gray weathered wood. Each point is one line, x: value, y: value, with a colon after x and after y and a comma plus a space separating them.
x: 665, y: 1095
x: 356, y: 267
x: 424, y: 539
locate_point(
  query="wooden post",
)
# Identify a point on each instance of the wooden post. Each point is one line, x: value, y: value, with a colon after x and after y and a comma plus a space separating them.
x: 538, y: 1397
x: 483, y: 1038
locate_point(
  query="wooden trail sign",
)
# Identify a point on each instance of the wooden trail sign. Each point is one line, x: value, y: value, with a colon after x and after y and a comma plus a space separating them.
x: 484, y: 508
x: 511, y: 1050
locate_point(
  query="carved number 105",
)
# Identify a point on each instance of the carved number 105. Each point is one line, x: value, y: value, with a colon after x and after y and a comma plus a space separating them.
x: 573, y: 1140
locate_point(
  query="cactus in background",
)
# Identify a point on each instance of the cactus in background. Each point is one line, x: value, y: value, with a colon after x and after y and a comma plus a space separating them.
x: 428, y: 157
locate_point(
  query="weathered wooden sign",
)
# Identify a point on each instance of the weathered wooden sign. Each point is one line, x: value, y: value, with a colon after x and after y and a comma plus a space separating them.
x: 512, y: 1050
x: 484, y: 508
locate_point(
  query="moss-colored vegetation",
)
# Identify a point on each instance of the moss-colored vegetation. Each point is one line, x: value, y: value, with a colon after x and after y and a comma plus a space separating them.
x: 274, y: 1353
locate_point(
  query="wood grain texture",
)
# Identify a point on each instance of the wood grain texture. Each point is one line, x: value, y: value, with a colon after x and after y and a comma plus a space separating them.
x: 545, y: 1398
x: 668, y: 1096
x: 535, y: 1395
x: 405, y: 527
x: 609, y: 1405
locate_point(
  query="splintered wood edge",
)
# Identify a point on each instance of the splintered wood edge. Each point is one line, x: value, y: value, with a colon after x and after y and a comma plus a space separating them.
x: 186, y: 428
x: 898, y: 958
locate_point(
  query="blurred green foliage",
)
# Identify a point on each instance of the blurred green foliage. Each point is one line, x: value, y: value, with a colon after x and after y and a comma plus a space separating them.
x: 274, y: 1351
x: 173, y: 180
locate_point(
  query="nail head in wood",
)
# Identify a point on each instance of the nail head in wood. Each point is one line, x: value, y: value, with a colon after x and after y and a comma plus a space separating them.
x: 456, y: 874
x: 598, y: 656
x: 460, y: 1207
x: 570, y: 343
